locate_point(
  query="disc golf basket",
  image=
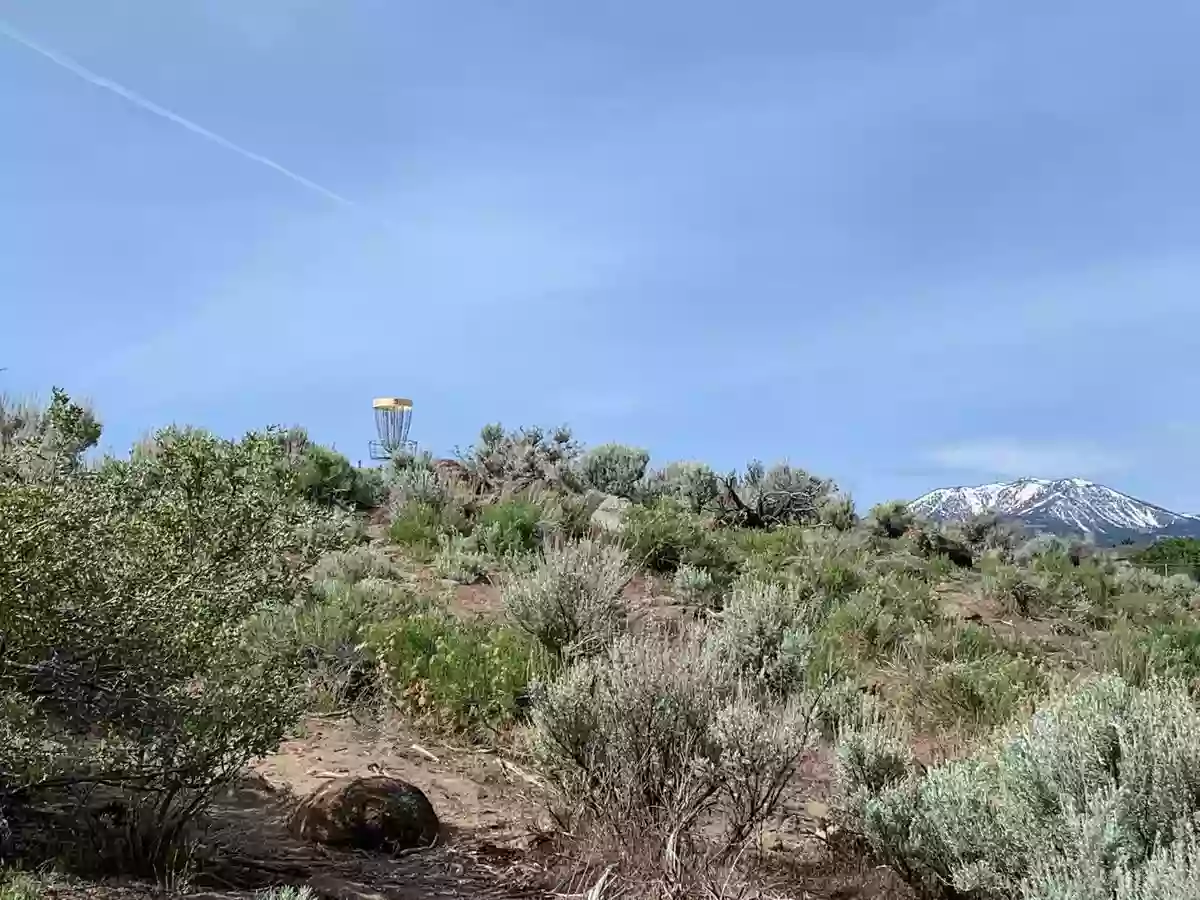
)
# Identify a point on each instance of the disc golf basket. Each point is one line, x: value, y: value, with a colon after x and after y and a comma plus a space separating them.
x: 393, y: 416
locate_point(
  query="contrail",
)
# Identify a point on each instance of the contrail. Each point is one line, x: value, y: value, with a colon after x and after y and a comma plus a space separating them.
x: 163, y: 113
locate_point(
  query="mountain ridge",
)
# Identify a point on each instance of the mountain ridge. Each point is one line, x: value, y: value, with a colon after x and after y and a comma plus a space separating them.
x: 1065, y: 506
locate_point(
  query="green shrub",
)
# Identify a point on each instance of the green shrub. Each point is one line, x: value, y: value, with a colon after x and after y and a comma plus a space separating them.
x: 1015, y: 591
x: 327, y: 477
x: 20, y: 886
x: 1142, y: 655
x: 663, y: 536
x: 1178, y: 589
x: 875, y: 622
x: 928, y: 541
x: 837, y: 511
x: 614, y: 469
x: 337, y: 528
x: 972, y: 695
x: 417, y: 525
x: 509, y: 528
x: 322, y: 634
x: 770, y: 551
x: 571, y: 603
x: 988, y: 533
x: 890, y: 520
x: 1171, y: 556
x: 568, y: 516
x: 35, y: 439
x: 816, y: 559
x: 462, y: 676
x: 136, y: 581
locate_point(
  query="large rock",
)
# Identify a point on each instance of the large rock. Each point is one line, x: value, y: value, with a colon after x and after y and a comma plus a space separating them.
x: 610, y: 514
x: 371, y: 813
x: 449, y: 470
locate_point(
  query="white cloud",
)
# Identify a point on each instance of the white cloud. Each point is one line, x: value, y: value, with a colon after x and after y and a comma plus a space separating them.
x: 1012, y: 458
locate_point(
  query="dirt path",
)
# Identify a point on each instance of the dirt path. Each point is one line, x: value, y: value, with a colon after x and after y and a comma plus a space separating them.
x: 472, y: 790
x: 489, y: 809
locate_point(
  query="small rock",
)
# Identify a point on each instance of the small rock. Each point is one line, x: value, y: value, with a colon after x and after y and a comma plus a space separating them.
x: 610, y: 514
x: 370, y: 813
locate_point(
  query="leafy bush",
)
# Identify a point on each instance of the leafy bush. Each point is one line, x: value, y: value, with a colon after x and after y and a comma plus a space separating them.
x: 1178, y: 588
x: 929, y: 542
x: 568, y: 516
x: 1014, y: 590
x: 510, y: 527
x: 614, y: 469
x: 463, y: 676
x: 417, y: 525
x: 1095, y: 796
x: 571, y: 603
x: 988, y: 533
x: 327, y: 477
x: 765, y: 633
x: 876, y: 621
x: 123, y: 662
x: 415, y: 485
x: 890, y: 520
x: 663, y: 536
x: 322, y: 634
x: 47, y: 437
x: 1172, y: 556
x: 837, y: 511
x: 1141, y: 656
x: 817, y: 559
x: 20, y: 886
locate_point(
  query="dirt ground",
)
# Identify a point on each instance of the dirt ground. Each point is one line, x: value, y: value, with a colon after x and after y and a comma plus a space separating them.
x: 496, y: 840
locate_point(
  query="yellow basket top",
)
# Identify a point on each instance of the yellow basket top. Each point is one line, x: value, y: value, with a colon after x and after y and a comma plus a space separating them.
x: 392, y: 403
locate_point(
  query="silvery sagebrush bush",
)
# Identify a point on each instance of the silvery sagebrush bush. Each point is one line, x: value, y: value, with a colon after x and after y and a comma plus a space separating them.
x: 693, y: 584
x: 649, y: 742
x: 458, y: 560
x: 614, y: 469
x: 415, y: 485
x: 571, y: 601
x: 354, y: 564
x: 765, y: 632
x: 693, y: 484
x: 514, y: 459
x: 1094, y: 795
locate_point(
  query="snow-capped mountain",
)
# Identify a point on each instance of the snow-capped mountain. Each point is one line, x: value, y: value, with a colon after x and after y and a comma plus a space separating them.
x: 1065, y: 506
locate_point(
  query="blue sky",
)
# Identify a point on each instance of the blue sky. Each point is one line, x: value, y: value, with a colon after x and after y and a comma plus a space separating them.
x: 904, y: 245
